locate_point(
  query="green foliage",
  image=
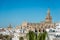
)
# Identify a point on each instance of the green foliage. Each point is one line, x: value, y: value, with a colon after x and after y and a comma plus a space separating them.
x: 40, y: 36
x: 31, y: 35
x: 1, y: 36
x: 21, y: 38
x: 5, y: 37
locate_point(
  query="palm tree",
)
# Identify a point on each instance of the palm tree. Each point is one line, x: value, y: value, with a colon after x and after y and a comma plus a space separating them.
x: 31, y: 35
x: 42, y: 36
x: 39, y: 36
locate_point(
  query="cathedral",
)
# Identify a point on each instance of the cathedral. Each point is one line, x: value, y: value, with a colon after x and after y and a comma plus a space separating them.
x: 25, y: 27
x: 38, y: 26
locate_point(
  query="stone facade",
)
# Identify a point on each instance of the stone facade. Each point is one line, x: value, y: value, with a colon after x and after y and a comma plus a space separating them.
x: 39, y: 26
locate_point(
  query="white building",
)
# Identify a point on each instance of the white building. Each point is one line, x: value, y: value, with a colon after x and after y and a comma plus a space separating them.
x: 54, y: 33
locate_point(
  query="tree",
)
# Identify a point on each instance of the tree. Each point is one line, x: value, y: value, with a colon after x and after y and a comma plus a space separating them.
x: 31, y: 35
x: 7, y: 37
x: 21, y: 38
x: 42, y: 36
x: 1, y: 36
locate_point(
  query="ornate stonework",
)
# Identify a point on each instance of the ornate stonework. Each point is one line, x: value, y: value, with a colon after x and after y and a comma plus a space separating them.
x: 38, y: 26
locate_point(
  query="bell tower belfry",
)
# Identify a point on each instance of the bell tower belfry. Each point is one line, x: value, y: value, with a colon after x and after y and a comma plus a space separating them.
x: 48, y: 18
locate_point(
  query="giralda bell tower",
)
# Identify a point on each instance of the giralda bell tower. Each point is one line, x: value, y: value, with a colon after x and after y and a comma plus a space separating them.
x: 48, y: 17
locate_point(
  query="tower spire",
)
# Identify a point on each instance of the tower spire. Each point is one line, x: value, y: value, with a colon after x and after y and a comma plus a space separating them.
x: 48, y: 11
x: 48, y: 17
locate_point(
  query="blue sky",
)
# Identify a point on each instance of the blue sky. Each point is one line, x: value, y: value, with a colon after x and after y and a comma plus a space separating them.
x: 16, y: 11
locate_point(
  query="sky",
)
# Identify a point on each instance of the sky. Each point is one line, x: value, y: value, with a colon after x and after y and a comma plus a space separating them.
x: 15, y: 12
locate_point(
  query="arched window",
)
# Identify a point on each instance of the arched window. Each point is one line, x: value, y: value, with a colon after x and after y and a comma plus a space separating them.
x: 35, y: 30
x: 39, y: 30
